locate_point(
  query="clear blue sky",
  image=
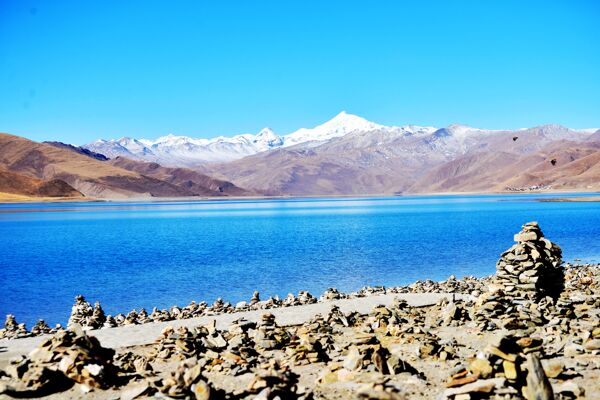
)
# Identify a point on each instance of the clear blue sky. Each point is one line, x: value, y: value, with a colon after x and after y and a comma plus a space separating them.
x: 77, y: 71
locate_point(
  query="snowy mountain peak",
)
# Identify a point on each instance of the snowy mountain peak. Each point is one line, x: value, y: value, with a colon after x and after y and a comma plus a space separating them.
x: 267, y: 137
x: 338, y: 126
x: 133, y: 145
x: 345, y: 123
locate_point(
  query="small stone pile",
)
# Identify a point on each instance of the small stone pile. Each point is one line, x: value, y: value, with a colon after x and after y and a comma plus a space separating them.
x: 508, y: 368
x: 129, y: 362
x: 494, y: 310
x: 532, y: 268
x: 81, y: 312
x: 67, y: 356
x: 239, y: 356
x: 369, y: 291
x: 582, y: 278
x: 131, y: 318
x: 88, y: 317
x: 159, y: 315
x: 180, y: 343
x: 333, y: 322
x: 12, y: 329
x: 186, y: 382
x: 454, y: 314
x: 192, y: 310
x: 430, y: 345
x: 380, y: 317
x: 273, y: 382
x: 318, y: 325
x: 307, y: 349
x: 303, y: 297
x: 98, y: 318
x: 269, y: 335
x: 238, y: 333
x: 332, y: 294
x: 365, y: 352
x: 337, y: 319
x: 211, y: 337
x: 255, y: 298
x: 407, y: 321
x: 219, y: 307
x: 40, y: 328
x: 143, y: 317
x: 490, y: 308
x: 110, y: 322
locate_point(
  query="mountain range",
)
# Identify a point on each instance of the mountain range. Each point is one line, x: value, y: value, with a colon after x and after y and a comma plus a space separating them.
x: 351, y: 155
x: 172, y: 150
x: 347, y: 155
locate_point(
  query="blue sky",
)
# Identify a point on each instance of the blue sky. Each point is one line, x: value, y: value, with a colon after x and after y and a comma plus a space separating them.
x: 77, y: 71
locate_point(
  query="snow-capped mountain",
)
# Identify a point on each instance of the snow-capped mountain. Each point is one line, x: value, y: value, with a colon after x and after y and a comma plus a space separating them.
x: 353, y: 132
x: 339, y: 125
x: 175, y: 150
x: 172, y: 150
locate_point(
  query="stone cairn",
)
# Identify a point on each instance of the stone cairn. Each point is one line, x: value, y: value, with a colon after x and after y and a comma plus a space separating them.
x: 527, y: 287
x: 532, y: 268
x: 81, y: 311
x: 12, y: 329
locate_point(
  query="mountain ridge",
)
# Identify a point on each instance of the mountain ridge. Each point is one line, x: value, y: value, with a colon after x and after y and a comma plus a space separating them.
x: 347, y: 155
x: 384, y: 163
x: 176, y: 151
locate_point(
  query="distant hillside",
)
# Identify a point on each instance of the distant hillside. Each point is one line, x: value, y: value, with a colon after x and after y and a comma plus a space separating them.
x: 576, y: 166
x: 14, y: 183
x: 89, y: 175
x: 188, y: 179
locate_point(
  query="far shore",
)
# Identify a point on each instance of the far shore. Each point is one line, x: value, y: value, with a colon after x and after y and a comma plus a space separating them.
x: 15, y: 198
x: 572, y: 199
x: 19, y: 198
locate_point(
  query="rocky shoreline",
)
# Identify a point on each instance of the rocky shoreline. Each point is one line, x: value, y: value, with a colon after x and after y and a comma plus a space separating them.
x: 93, y: 317
x: 531, y: 331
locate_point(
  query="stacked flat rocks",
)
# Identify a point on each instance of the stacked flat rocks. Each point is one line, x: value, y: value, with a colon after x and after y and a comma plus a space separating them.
x: 532, y: 268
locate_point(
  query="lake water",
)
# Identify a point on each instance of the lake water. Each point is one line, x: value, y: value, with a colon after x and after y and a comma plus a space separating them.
x: 145, y: 254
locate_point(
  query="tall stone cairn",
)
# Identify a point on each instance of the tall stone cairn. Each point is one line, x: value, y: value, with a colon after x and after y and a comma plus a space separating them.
x: 532, y: 268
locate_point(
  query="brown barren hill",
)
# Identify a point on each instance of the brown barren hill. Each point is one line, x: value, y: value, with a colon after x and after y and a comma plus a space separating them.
x: 92, y: 177
x: 14, y: 183
x: 577, y: 167
x: 188, y: 179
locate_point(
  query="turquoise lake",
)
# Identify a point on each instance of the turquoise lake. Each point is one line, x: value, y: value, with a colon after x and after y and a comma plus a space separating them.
x: 143, y: 254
